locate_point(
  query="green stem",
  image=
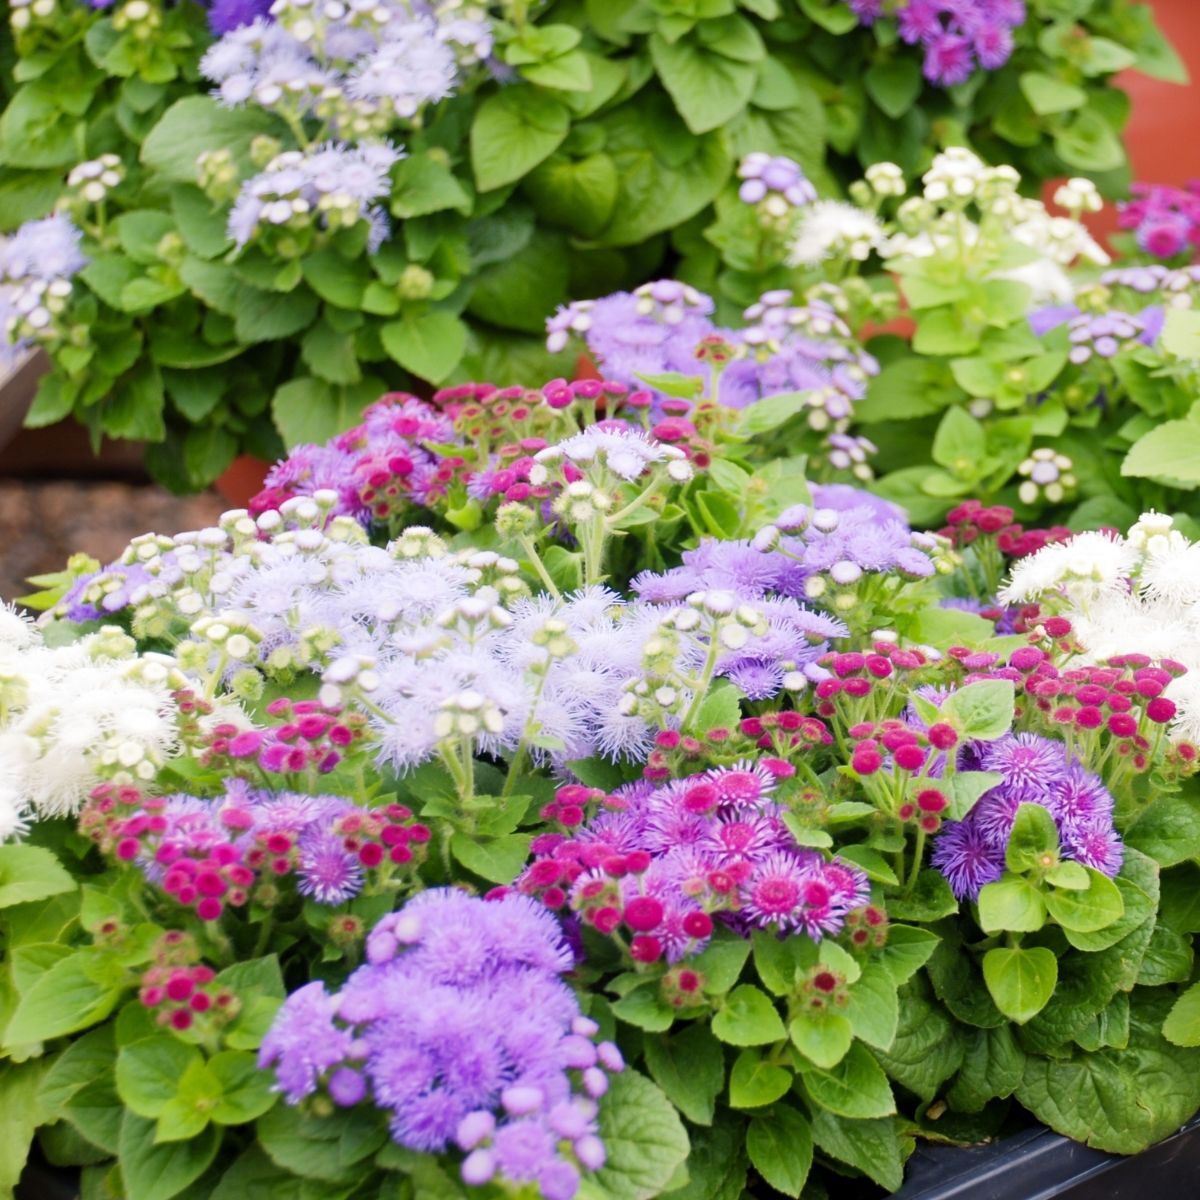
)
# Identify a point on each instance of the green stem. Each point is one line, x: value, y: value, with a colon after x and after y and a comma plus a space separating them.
x: 710, y: 665
x: 916, y: 863
x: 535, y: 560
x: 265, y: 929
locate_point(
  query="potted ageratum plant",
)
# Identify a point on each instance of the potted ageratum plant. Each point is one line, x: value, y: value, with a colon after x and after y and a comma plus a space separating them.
x: 316, y: 203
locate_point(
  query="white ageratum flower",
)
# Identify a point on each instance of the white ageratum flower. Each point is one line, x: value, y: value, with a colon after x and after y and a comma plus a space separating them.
x: 1126, y: 595
x: 73, y: 715
x: 954, y: 175
x: 834, y: 229
x: 1088, y: 564
x: 1079, y: 195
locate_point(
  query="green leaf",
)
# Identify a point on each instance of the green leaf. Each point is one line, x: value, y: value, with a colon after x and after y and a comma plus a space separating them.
x: 721, y: 962
x: 823, y: 1037
x: 430, y: 346
x: 580, y: 195
x: 423, y: 184
x: 646, y: 1008
x: 944, y: 331
x: 870, y: 1146
x: 930, y: 900
x: 1090, y: 143
x: 720, y: 707
x: 1182, y: 1026
x: 498, y: 860
x: 330, y: 355
x: 667, y: 173
x: 1087, y: 911
x: 690, y: 1069
x: 960, y: 443
x: 30, y: 873
x: 780, y: 1146
x: 331, y: 1149
x: 992, y: 1068
x: 717, y: 1164
x: 1167, y: 829
x: 271, y: 316
x: 894, y: 84
x: 158, y: 1172
x: 1011, y: 903
x: 309, y: 411
x: 781, y: 962
x: 709, y: 89
x: 1020, y: 980
x: 928, y: 1046
x: 644, y: 1138
x: 981, y: 711
x: 966, y: 788
x: 1170, y: 451
x: 945, y: 627
x: 906, y: 951
x: 86, y: 1059
x: 1047, y: 95
x: 748, y: 1018
x: 514, y: 130
x: 754, y: 1082
x: 66, y: 998
x: 149, y: 1072
x: 769, y: 413
x: 874, y: 1009
x: 1118, y: 1100
x: 334, y: 279
x: 36, y: 132
x: 20, y: 1115
x: 196, y: 124
x: 188, y: 1111
x: 856, y: 1087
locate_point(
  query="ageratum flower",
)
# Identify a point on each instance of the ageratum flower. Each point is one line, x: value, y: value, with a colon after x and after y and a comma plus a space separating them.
x: 460, y: 1028
x: 665, y: 861
x: 1034, y: 770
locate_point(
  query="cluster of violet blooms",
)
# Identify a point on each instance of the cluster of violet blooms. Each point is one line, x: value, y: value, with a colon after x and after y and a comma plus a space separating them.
x: 460, y: 1028
x: 37, y: 264
x: 658, y: 862
x: 956, y: 35
x: 1034, y: 770
x: 666, y: 328
x: 210, y: 854
x: 1165, y: 220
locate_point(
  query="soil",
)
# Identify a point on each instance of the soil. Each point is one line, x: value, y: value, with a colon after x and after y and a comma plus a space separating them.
x: 44, y: 522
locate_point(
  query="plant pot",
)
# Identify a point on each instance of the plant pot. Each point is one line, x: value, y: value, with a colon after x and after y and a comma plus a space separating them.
x: 18, y: 386
x: 1038, y: 1164
x: 241, y: 480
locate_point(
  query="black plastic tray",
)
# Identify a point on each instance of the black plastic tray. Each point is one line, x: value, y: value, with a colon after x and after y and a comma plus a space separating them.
x: 1037, y: 1164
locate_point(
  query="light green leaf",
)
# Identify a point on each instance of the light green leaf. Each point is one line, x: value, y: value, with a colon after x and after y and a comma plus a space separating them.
x: 430, y: 346
x: 1020, y: 980
x: 780, y: 1147
x: 514, y: 130
x: 1011, y: 903
x: 498, y: 860
x: 158, y: 1172
x: 754, y: 1082
x: 856, y: 1087
x: 1087, y: 911
x: 823, y: 1037
x: 748, y: 1018
x: 30, y: 873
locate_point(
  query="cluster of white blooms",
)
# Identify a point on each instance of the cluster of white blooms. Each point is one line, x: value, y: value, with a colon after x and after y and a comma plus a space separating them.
x: 76, y: 714
x: 37, y: 264
x: 1137, y: 594
x: 91, y: 181
x: 964, y: 207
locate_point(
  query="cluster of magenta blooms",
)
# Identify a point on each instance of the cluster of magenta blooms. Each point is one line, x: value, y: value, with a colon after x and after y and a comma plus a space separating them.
x: 657, y: 863
x: 217, y: 853
x: 485, y: 438
x: 957, y: 36
x: 416, y: 1029
x: 1165, y: 220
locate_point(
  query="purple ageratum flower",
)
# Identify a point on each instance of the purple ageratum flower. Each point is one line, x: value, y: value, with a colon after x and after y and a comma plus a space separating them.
x: 328, y: 872
x: 948, y: 60
x: 461, y: 1029
x: 1094, y: 843
x: 842, y: 497
x: 1033, y: 767
x: 303, y: 1042
x: 790, y: 892
x: 1163, y: 234
x: 226, y: 15
x: 919, y: 21
x: 763, y: 175
x: 967, y: 858
x: 867, y: 11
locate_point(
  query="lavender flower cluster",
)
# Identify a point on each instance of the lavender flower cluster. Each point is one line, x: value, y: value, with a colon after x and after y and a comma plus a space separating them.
x: 663, y: 861
x: 665, y: 327
x: 956, y: 35
x: 37, y: 264
x: 358, y: 67
x: 1035, y: 770
x: 460, y: 1028
x: 332, y: 186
